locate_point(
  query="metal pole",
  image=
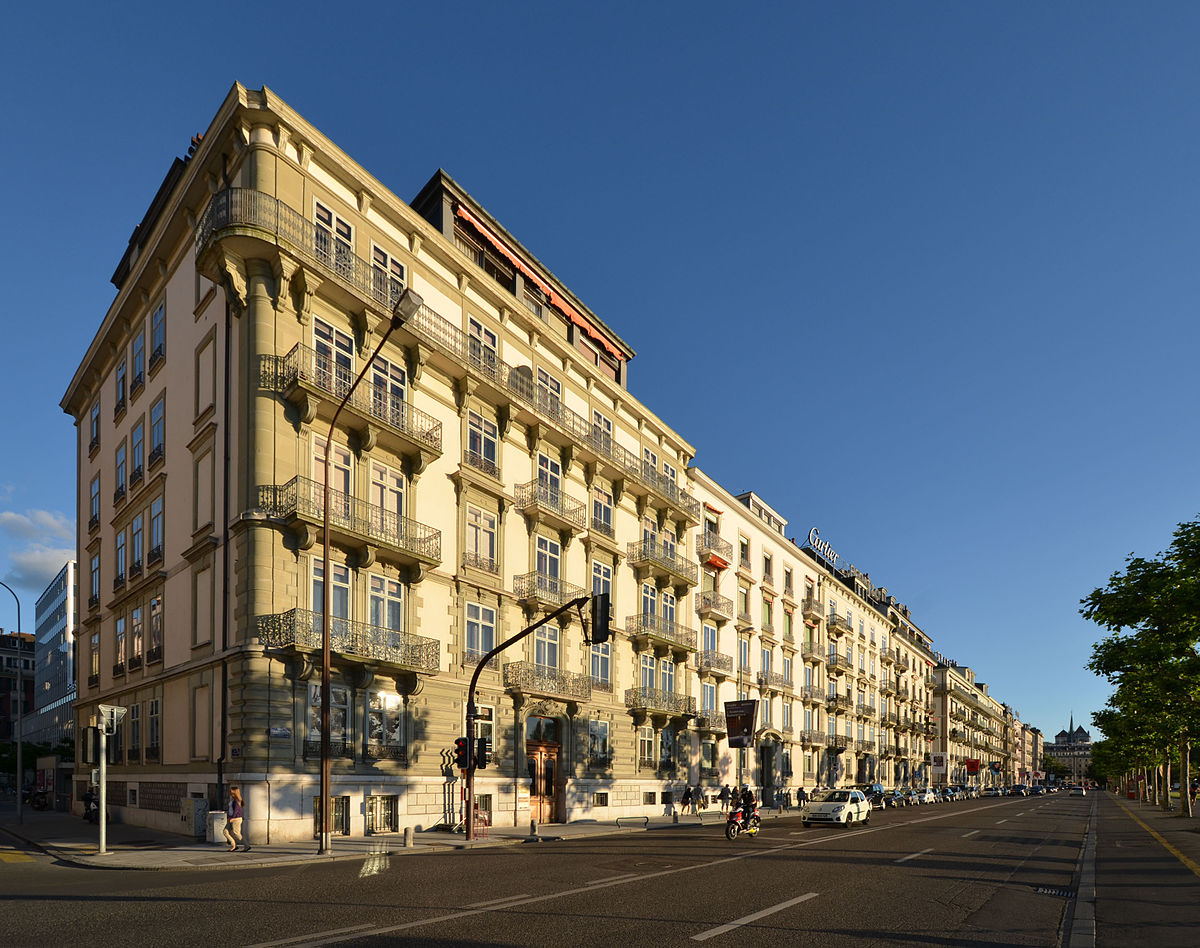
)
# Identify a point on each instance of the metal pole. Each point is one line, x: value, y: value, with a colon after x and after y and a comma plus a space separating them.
x: 103, y: 784
x: 408, y: 303
x: 20, y: 704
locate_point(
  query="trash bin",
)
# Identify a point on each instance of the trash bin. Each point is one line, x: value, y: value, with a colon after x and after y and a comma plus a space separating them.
x: 216, y: 828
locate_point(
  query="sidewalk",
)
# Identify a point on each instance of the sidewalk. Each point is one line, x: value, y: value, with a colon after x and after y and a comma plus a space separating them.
x: 72, y: 840
x: 1180, y: 834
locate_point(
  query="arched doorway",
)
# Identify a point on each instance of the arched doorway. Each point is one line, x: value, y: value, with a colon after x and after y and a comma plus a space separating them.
x: 543, y: 747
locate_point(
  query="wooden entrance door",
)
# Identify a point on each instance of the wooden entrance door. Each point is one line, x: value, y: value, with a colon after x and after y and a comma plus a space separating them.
x: 541, y: 762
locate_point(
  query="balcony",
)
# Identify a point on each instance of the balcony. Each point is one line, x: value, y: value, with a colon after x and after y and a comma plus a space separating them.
x: 93, y: 680
x: 655, y: 630
x: 655, y: 700
x: 839, y: 664
x: 154, y: 655
x: 653, y: 558
x: 813, y: 738
x: 813, y: 610
x: 542, y: 503
x: 93, y: 601
x: 774, y: 681
x: 887, y: 687
x: 716, y: 663
x: 246, y: 212
x: 315, y: 385
x: 480, y: 463
x: 541, y: 681
x: 118, y: 581
x: 152, y: 753
x: 712, y: 605
x: 839, y: 702
x: 812, y: 652
x: 713, y: 551
x: 811, y: 694
x: 157, y: 453
x: 886, y: 657
x: 541, y: 591
x: 837, y: 742
x: 118, y: 669
x: 864, y: 747
x: 837, y: 625
x: 119, y: 407
x: 135, y: 662
x: 376, y: 750
x: 480, y: 562
x: 352, y: 522
x: 300, y: 630
x: 119, y: 494
x: 93, y: 523
x: 709, y: 720
x: 155, y: 555
x: 338, y: 749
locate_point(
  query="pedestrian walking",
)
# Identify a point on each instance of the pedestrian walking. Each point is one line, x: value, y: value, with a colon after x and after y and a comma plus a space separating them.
x: 723, y: 797
x: 687, y: 799
x: 233, y: 825
x: 801, y: 797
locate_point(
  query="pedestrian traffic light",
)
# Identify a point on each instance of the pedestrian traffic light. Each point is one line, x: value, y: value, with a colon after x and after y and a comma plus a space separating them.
x: 483, y: 752
x: 462, y: 753
x: 601, y: 629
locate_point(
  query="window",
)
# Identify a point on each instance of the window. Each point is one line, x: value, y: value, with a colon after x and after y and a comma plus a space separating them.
x: 788, y: 585
x: 646, y: 748
x: 138, y: 359
x: 339, y: 594
x: 157, y: 431
x: 666, y: 668
x: 120, y: 577
x: 768, y: 568
x: 548, y: 556
x: 334, y: 356
x: 135, y: 632
x: 481, y: 630
x: 743, y: 601
x: 668, y: 609
x: 549, y: 480
x: 94, y: 502
x: 602, y: 431
x: 388, y: 387
x: 386, y: 494
x: 666, y: 746
x: 602, y: 664
x: 121, y: 472
x: 481, y: 539
x: 334, y: 240
x: 649, y: 461
x: 156, y: 529
x: 120, y: 406
x: 545, y: 647
x: 153, y: 725
x: 385, y: 725
x: 708, y: 637
x: 787, y: 715
x: 765, y: 657
x: 156, y: 627
x: 94, y: 428
x: 386, y: 603
x: 787, y: 668
x: 649, y: 600
x: 744, y: 653
x: 649, y: 533
x: 158, y: 336
x: 119, y: 647
x: 95, y: 570
x: 768, y: 614
x: 137, y: 447
x: 766, y: 711
x: 647, y: 667
x: 339, y: 713
x: 743, y: 552
x: 94, y: 657
x: 602, y: 504
x: 135, y: 727
x: 482, y: 345
x: 788, y: 625
x: 387, y: 275
x: 135, y: 536
x: 481, y: 444
x: 339, y: 475
x: 669, y: 473
x: 708, y: 696
x: 598, y: 746
x: 549, y: 393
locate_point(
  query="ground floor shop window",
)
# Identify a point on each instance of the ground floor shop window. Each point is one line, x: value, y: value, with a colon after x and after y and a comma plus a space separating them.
x: 340, y: 817
x: 385, y: 726
x: 340, y: 742
x: 382, y: 813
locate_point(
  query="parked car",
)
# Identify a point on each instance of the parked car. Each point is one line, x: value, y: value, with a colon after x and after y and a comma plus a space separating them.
x: 1037, y: 791
x: 895, y: 798
x: 874, y: 793
x: 926, y: 796
x: 991, y: 792
x: 1018, y: 790
x: 842, y: 806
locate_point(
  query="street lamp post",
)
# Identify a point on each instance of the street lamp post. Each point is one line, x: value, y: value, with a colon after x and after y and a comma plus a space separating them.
x: 404, y: 309
x: 20, y: 704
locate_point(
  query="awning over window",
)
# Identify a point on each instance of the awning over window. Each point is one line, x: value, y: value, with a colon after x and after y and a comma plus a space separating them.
x: 555, y: 300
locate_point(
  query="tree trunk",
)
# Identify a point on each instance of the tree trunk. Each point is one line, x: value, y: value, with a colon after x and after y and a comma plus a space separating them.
x: 1185, y: 776
x: 1166, y: 790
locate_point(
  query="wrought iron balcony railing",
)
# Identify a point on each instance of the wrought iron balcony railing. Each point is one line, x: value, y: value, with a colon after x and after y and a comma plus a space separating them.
x: 812, y: 652
x: 480, y: 561
x: 663, y: 629
x: 837, y: 624
x: 543, y: 587
x: 377, y: 750
x: 337, y: 748
x: 536, y: 495
x: 305, y: 365
x: 300, y: 628
x: 709, y: 543
x: 531, y: 678
x: 710, y: 660
x: 842, y: 702
x: 815, y: 738
x: 303, y: 498
x: 709, y: 720
x: 244, y: 207
x: 650, y: 552
x: 481, y: 463
x: 709, y: 602
x: 839, y: 663
x: 837, y: 741
x: 655, y: 699
x: 813, y: 609
x: 154, y: 654
x: 775, y: 680
x: 811, y: 693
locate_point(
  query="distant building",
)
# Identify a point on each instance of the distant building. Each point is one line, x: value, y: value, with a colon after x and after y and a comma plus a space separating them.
x: 16, y: 677
x: 1072, y: 747
x: 54, y: 690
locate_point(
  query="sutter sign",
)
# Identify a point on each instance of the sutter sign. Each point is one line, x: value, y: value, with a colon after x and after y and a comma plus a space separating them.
x: 822, y: 546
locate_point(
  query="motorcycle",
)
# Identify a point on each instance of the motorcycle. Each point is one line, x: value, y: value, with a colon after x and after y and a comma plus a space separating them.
x: 738, y: 823
x: 40, y: 800
x: 91, y: 811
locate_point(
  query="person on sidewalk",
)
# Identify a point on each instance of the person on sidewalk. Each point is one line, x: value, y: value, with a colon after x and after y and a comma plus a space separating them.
x: 233, y: 826
x: 687, y: 799
x: 723, y: 796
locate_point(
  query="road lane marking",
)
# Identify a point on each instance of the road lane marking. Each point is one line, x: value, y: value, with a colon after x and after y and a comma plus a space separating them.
x: 507, y: 898
x: 998, y: 822
x: 913, y: 855
x: 747, y: 919
x: 628, y: 875
x: 972, y: 833
x: 311, y: 935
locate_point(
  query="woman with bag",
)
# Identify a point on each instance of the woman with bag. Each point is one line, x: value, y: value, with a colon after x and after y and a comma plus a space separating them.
x: 233, y: 825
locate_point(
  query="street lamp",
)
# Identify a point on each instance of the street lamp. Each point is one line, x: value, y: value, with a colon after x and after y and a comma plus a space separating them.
x: 20, y: 703
x: 405, y: 308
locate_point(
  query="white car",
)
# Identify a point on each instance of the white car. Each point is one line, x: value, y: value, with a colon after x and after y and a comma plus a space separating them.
x: 836, y: 806
x: 926, y: 796
x: 992, y: 792
x: 1077, y: 791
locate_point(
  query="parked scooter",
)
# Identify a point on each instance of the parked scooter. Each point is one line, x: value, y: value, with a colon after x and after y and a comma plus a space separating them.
x: 739, y: 822
x: 91, y: 806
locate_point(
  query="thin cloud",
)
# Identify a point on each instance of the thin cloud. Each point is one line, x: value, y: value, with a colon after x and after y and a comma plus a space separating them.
x: 41, y: 526
x: 34, y: 567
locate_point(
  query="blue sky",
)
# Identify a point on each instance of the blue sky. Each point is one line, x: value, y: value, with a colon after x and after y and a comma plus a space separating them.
x: 921, y: 275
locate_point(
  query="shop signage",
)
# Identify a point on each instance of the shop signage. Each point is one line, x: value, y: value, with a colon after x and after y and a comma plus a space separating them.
x: 823, y: 547
x: 739, y: 718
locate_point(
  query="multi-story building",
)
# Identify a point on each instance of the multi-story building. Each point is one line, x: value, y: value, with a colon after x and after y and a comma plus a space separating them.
x: 16, y: 684
x: 1072, y: 747
x: 491, y: 467
x: 56, y: 616
x: 971, y: 727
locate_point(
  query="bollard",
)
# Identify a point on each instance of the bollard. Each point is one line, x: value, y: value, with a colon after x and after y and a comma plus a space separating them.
x: 533, y: 827
x: 408, y: 837
x: 674, y: 816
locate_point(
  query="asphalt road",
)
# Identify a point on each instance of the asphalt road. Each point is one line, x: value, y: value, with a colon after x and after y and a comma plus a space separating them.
x: 978, y: 872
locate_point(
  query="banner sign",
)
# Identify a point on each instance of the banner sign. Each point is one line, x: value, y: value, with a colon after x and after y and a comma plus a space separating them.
x: 972, y: 766
x: 939, y: 763
x: 739, y: 718
x: 994, y: 766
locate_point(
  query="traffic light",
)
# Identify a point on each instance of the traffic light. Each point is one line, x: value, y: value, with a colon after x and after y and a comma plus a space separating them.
x: 483, y: 752
x: 601, y: 629
x: 462, y: 753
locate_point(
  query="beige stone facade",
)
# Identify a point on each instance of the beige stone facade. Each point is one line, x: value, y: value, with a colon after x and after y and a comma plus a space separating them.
x: 490, y: 467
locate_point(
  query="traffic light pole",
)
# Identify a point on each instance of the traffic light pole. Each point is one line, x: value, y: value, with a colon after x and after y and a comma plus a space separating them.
x: 471, y: 710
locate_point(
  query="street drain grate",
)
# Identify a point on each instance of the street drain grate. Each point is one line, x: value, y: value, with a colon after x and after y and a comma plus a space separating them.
x: 1057, y: 893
